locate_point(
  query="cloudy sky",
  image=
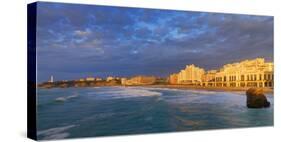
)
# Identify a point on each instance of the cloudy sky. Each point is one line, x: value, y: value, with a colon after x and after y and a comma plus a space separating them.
x: 76, y: 41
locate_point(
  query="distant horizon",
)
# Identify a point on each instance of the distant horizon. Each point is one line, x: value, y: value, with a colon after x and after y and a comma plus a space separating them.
x: 73, y: 79
x: 77, y: 41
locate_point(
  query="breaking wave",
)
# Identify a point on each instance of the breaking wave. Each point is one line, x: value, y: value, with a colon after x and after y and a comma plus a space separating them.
x: 190, y: 91
x: 55, y: 133
x: 121, y: 92
x: 63, y: 99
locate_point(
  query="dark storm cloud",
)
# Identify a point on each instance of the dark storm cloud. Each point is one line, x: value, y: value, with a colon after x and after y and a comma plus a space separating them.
x: 81, y: 40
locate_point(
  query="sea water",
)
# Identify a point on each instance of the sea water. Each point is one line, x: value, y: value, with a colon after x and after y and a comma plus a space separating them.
x: 107, y: 111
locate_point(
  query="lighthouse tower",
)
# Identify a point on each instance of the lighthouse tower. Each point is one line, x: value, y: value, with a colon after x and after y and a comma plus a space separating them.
x: 51, y: 79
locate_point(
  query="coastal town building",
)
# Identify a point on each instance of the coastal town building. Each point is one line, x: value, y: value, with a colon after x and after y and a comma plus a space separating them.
x: 208, y: 79
x: 81, y: 79
x: 90, y: 79
x: 98, y: 79
x: 110, y: 78
x: 139, y: 80
x: 123, y: 80
x: 247, y: 73
x: 173, y: 78
x: 190, y: 75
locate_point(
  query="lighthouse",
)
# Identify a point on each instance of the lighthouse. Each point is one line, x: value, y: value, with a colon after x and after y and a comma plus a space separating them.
x: 51, y: 79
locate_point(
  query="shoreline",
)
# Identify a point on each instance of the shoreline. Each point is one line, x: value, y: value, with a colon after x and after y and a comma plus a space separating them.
x: 228, y: 89
x: 180, y: 87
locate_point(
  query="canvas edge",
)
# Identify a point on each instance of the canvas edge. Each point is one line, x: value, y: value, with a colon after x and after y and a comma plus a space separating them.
x: 31, y: 71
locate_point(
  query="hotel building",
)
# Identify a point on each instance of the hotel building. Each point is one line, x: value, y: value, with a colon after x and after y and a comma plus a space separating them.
x: 191, y: 75
x: 139, y: 80
x: 248, y: 73
x: 173, y: 78
x: 208, y: 79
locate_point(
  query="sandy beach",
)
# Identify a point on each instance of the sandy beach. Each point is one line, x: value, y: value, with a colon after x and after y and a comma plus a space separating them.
x: 186, y: 87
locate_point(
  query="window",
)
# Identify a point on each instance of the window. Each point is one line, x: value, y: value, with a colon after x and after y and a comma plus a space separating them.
x: 265, y: 84
x: 242, y: 77
x: 269, y: 76
x: 260, y: 84
x: 255, y: 84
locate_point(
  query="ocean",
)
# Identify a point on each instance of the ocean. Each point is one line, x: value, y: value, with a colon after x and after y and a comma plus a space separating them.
x: 107, y: 111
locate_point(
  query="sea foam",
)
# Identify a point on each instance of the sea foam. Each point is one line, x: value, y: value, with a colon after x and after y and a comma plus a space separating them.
x: 62, y: 99
x: 125, y: 92
x: 55, y: 133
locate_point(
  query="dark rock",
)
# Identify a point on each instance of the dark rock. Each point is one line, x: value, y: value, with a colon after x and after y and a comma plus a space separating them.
x: 256, y: 98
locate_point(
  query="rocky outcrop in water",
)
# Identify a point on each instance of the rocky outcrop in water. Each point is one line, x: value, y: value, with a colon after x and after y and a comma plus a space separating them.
x: 256, y: 98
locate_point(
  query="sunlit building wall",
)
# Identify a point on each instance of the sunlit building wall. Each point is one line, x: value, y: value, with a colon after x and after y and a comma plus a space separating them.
x: 140, y: 80
x: 248, y: 73
x: 208, y: 79
x: 90, y: 79
x: 191, y: 75
x: 181, y: 77
x: 109, y: 78
x: 123, y: 81
x: 173, y: 78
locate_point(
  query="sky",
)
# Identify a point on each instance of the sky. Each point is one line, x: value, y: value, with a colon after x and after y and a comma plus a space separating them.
x: 76, y: 41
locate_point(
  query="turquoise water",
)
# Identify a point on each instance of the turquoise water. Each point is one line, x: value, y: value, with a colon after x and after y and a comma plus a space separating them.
x: 106, y: 111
